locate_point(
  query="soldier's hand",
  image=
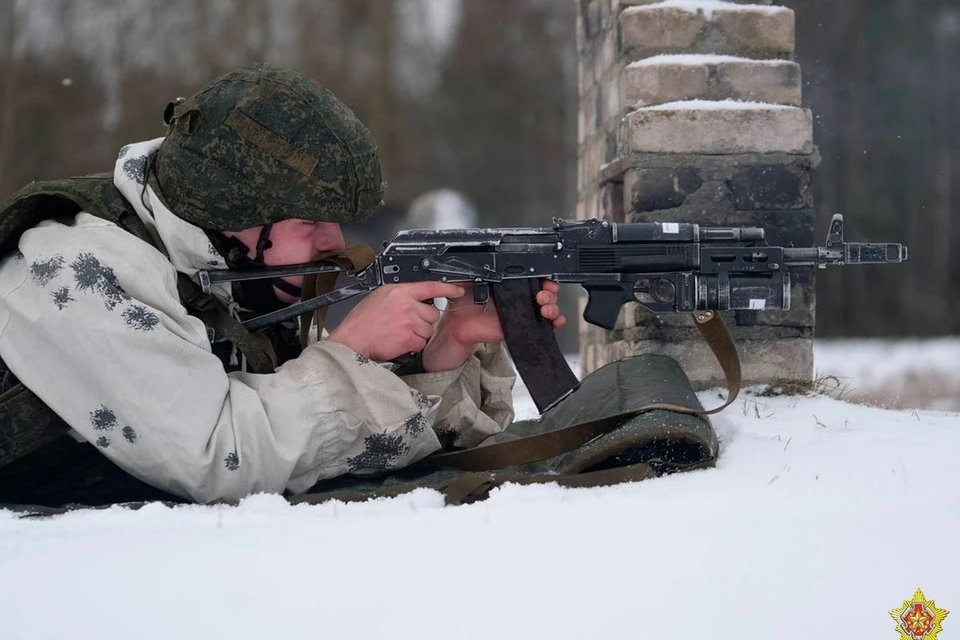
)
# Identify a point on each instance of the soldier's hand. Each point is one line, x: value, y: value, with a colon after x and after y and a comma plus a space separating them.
x: 394, y: 319
x: 547, y: 299
x: 465, y: 324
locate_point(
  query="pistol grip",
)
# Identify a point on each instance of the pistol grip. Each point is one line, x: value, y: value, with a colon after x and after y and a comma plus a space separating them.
x: 604, y: 301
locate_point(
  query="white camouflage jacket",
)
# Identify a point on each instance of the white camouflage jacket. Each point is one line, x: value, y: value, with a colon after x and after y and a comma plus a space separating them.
x: 91, y: 322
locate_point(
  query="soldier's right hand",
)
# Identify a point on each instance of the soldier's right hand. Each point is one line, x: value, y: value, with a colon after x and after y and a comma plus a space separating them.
x: 394, y: 319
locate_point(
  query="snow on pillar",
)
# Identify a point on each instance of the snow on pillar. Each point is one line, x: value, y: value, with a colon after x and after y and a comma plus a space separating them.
x: 690, y: 112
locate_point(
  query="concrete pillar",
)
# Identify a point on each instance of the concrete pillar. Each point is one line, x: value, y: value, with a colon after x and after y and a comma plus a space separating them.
x: 690, y: 112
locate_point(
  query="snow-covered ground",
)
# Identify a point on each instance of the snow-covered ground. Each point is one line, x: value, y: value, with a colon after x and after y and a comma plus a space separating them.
x: 821, y: 516
x: 913, y: 374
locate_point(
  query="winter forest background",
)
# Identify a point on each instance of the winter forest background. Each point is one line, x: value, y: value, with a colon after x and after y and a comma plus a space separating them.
x: 481, y: 96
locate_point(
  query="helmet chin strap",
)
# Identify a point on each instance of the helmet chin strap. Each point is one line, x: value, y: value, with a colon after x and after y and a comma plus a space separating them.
x: 286, y: 287
x: 264, y: 243
x: 236, y: 253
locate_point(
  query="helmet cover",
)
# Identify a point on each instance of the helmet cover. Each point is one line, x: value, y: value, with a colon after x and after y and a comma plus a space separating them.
x: 261, y: 145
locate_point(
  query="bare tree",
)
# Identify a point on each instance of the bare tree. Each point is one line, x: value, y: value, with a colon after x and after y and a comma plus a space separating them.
x: 945, y: 27
x: 8, y: 87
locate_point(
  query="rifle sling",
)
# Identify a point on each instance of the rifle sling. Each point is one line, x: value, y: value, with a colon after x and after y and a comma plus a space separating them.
x: 474, y: 485
x: 553, y: 443
x: 353, y: 259
x: 471, y: 486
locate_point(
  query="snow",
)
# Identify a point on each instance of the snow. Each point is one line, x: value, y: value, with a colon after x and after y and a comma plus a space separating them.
x: 708, y: 7
x: 902, y: 373
x: 820, y: 517
x: 698, y: 58
x: 874, y: 363
x: 702, y: 105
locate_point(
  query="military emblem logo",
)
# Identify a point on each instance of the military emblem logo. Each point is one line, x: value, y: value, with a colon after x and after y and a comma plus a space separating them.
x: 919, y: 618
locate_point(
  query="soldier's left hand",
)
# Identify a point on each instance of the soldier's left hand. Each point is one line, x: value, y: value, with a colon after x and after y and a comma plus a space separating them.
x: 465, y: 324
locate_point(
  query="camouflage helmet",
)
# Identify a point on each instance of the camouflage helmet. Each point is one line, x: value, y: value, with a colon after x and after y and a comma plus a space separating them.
x: 260, y: 145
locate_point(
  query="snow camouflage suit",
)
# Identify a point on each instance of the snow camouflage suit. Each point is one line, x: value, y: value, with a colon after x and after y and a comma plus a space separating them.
x: 81, y: 297
x: 639, y: 446
x: 334, y: 176
x: 322, y: 414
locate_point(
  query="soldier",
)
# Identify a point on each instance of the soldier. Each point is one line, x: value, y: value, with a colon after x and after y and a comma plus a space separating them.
x: 105, y: 328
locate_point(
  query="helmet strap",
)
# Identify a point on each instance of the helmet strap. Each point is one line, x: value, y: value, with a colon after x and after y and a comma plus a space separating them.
x: 263, y: 242
x: 258, y: 294
x: 286, y: 287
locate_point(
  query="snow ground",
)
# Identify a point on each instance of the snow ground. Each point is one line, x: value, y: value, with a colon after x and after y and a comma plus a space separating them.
x: 820, y: 517
x: 913, y: 374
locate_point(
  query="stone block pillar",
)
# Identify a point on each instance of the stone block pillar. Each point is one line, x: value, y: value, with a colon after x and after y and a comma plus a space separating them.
x: 690, y: 112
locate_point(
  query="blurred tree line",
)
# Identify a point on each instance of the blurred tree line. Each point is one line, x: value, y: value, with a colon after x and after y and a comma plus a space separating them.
x: 481, y: 96
x: 879, y: 77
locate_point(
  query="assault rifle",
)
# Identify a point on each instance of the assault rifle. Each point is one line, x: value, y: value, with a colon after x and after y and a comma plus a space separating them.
x: 669, y: 267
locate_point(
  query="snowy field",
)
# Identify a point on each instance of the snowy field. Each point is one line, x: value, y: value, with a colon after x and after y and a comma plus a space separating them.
x: 821, y: 516
x: 912, y: 374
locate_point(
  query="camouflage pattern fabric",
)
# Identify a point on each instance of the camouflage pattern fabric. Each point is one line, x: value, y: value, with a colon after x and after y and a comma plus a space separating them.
x: 261, y: 145
x: 61, y: 198
x: 66, y: 472
x: 26, y: 423
x: 644, y: 445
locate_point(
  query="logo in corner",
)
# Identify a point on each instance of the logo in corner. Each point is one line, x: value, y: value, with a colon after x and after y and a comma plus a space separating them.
x: 919, y: 618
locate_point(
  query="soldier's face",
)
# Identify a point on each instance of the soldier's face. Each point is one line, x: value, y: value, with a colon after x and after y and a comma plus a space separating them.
x: 296, y: 241
x: 293, y: 242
